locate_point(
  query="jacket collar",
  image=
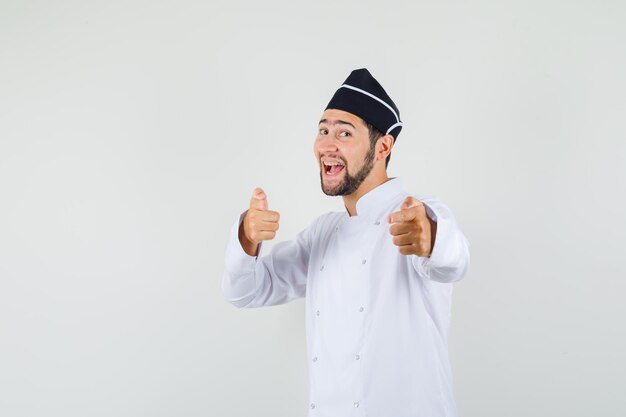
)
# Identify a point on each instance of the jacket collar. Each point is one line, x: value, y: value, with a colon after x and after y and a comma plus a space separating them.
x: 375, y: 204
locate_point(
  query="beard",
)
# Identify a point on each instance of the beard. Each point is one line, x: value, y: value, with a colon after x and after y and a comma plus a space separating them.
x: 351, y: 183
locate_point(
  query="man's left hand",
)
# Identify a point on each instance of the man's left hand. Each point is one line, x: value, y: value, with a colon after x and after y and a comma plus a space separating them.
x: 412, y: 230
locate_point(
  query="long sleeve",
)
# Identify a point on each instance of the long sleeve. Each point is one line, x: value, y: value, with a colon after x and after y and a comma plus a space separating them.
x: 450, y: 257
x: 275, y: 278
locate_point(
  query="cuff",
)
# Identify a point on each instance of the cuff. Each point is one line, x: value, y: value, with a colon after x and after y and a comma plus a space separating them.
x: 236, y: 257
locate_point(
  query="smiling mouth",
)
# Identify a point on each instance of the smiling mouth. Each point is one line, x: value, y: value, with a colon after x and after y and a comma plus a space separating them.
x: 333, y: 168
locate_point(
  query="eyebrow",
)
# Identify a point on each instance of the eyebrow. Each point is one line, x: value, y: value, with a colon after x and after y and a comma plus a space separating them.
x: 338, y: 122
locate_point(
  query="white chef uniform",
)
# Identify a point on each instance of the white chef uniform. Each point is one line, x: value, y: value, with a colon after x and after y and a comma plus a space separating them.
x: 376, y: 320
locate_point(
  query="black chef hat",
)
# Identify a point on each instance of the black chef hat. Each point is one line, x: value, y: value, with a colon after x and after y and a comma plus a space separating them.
x: 361, y: 95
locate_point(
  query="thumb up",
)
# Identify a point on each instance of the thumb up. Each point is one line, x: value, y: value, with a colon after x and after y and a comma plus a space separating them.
x: 259, y: 224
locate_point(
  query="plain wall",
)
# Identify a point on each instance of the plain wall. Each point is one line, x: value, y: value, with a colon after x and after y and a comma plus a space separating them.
x: 132, y: 134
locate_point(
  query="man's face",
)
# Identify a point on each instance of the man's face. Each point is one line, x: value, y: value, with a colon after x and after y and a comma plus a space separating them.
x: 343, y: 150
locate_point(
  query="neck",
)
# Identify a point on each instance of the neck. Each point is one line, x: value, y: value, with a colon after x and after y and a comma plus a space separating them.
x: 372, y: 181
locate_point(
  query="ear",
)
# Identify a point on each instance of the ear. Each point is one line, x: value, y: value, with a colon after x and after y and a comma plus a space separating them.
x: 383, y: 147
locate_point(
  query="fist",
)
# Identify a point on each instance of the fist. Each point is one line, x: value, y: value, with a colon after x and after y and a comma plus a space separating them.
x: 412, y: 230
x: 259, y: 224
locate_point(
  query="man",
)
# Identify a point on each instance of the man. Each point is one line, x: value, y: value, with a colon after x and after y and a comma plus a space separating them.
x: 377, y: 278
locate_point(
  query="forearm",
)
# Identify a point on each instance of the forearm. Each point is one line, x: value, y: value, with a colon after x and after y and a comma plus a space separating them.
x: 276, y: 278
x: 239, y: 283
x: 450, y: 261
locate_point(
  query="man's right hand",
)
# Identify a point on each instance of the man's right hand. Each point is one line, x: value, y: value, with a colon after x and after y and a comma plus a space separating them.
x: 259, y: 224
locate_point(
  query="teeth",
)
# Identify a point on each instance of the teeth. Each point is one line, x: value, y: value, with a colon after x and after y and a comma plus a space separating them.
x: 330, y: 164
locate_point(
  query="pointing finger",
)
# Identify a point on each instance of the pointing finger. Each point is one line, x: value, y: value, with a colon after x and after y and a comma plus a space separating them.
x: 402, y: 216
x: 409, y: 202
x: 410, y: 209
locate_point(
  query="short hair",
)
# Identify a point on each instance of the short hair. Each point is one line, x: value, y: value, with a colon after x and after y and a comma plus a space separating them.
x: 376, y: 134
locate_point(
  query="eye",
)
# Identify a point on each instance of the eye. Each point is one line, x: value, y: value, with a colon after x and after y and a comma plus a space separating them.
x: 344, y: 133
x: 323, y: 131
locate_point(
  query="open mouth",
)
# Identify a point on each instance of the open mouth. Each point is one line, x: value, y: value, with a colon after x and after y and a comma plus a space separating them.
x: 333, y: 168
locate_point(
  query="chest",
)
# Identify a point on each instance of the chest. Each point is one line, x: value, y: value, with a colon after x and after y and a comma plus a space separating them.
x: 352, y: 266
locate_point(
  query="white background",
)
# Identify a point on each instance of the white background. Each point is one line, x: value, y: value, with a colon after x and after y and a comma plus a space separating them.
x: 133, y: 132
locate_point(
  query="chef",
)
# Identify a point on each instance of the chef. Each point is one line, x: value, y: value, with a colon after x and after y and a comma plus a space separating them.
x: 377, y: 277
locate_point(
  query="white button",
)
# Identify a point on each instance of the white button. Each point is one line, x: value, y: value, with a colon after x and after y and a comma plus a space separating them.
x: 356, y: 405
x: 363, y: 261
x: 361, y: 309
x: 377, y: 223
x: 315, y: 359
x: 317, y: 313
x: 322, y: 268
x: 357, y: 357
x: 312, y: 406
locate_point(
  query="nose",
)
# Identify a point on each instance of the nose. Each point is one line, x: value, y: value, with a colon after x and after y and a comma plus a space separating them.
x: 326, y: 143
